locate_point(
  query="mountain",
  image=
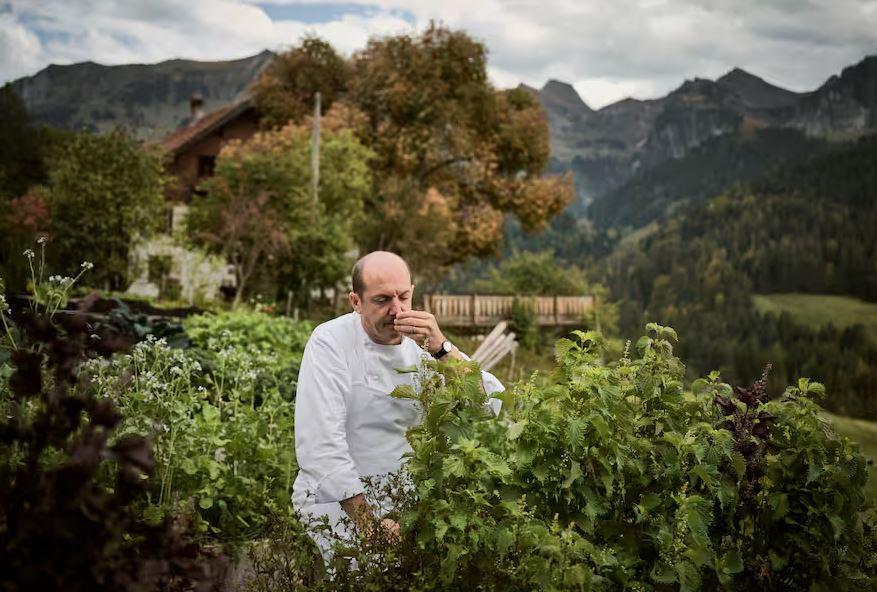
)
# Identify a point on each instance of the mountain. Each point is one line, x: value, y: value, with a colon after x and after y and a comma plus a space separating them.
x: 149, y: 99
x: 604, y: 148
x: 607, y: 147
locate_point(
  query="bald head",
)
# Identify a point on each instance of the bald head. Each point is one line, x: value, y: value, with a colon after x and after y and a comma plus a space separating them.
x: 376, y: 265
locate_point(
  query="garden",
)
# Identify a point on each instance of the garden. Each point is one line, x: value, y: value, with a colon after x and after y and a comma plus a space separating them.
x: 140, y: 465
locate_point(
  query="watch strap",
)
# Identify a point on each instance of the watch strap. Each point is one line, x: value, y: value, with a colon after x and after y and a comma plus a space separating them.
x: 444, y: 350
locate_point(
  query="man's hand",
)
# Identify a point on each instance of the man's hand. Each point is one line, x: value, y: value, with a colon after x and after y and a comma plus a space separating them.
x: 364, y: 518
x: 419, y: 326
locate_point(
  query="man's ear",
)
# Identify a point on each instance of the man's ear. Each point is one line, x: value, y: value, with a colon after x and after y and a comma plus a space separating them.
x: 355, y: 302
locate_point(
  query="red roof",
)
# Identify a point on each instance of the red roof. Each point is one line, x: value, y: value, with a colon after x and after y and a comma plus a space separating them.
x: 184, y: 136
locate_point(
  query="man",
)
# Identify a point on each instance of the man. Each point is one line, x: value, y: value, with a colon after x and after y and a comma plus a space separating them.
x: 346, y: 424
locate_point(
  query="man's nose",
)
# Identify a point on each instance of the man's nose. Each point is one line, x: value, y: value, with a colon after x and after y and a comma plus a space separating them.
x: 395, y: 306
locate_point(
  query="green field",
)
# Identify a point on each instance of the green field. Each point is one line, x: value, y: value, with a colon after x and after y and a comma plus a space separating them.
x: 864, y: 433
x: 815, y: 310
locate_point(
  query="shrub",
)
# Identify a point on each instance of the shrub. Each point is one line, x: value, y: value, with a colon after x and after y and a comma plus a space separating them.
x: 614, y: 477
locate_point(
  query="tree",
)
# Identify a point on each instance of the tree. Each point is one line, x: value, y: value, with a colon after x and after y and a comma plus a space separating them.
x: 436, y: 122
x: 452, y: 154
x: 21, y: 158
x: 104, y: 193
x: 260, y: 212
x: 530, y: 274
x: 285, y: 91
x: 22, y: 221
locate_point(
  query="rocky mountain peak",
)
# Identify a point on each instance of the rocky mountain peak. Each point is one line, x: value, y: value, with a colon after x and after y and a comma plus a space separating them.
x: 563, y: 95
x: 756, y: 92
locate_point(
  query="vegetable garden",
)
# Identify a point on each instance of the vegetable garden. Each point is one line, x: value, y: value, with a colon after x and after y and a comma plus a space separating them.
x: 146, y: 466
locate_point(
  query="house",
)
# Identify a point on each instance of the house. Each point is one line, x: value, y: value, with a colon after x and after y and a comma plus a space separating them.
x: 165, y: 267
x: 195, y: 146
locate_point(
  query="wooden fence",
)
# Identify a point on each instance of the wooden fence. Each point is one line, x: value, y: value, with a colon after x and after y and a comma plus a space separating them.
x: 474, y: 310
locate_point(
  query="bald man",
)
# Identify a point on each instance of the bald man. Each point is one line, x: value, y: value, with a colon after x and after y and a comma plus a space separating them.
x: 347, y: 426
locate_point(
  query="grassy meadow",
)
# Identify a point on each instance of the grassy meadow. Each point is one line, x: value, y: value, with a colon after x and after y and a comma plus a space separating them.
x: 817, y: 310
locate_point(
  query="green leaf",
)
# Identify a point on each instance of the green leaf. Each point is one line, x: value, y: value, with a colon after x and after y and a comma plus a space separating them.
x: 731, y: 562
x: 575, y: 471
x: 515, y: 429
x: 504, y: 539
x: 779, y: 502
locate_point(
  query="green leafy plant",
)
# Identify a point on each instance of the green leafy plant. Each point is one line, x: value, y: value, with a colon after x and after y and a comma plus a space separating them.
x: 613, y: 477
x: 222, y: 434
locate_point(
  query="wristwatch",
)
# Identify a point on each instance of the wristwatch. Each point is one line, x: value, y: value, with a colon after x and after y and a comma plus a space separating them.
x: 445, y: 349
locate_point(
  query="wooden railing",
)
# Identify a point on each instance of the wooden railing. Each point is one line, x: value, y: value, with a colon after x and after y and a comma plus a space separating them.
x: 473, y: 310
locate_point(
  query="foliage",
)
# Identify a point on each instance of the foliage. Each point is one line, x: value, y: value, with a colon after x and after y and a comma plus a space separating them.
x: 260, y: 211
x: 221, y: 417
x: 285, y: 90
x: 527, y: 273
x: 54, y: 444
x: 258, y: 335
x: 699, y: 269
x: 103, y: 192
x: 451, y: 153
x: 614, y: 477
x: 523, y: 323
x: 222, y: 433
x: 21, y: 156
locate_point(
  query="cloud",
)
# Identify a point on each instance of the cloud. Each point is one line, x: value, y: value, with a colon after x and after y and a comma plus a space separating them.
x: 607, y: 50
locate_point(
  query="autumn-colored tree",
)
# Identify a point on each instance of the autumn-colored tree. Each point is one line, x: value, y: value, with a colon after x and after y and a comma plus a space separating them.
x: 452, y: 153
x: 23, y: 219
x: 104, y: 193
x: 259, y: 209
x: 285, y: 90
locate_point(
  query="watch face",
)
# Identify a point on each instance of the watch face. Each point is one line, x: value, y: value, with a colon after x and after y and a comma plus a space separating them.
x: 447, y: 347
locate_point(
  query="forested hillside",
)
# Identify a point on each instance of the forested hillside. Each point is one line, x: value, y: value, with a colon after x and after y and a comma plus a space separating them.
x: 806, y: 228
x: 707, y: 170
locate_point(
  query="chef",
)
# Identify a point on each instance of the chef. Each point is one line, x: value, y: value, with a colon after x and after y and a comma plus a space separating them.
x: 347, y: 426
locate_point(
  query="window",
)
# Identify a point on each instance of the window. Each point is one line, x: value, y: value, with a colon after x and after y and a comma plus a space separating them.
x: 206, y: 166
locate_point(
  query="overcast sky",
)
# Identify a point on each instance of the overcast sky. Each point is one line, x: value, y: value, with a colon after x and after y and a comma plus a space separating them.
x: 608, y: 50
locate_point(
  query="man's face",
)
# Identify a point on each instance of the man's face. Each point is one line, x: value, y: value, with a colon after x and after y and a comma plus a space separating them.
x: 388, y: 291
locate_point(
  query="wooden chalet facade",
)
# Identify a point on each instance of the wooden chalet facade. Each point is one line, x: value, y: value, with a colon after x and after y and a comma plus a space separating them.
x: 194, y: 147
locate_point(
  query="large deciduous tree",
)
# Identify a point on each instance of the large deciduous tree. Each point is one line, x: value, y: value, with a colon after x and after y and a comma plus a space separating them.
x: 285, y: 91
x: 105, y: 192
x: 452, y: 153
x: 260, y: 212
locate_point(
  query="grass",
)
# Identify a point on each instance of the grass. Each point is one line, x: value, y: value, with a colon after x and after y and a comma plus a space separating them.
x: 815, y: 310
x: 864, y: 433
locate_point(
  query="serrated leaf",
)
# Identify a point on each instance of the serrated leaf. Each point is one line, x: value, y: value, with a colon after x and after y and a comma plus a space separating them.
x: 575, y: 471
x: 504, y: 539
x: 516, y: 429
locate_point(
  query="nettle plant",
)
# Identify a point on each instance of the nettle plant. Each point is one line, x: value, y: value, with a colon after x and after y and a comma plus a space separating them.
x: 222, y: 430
x: 617, y: 477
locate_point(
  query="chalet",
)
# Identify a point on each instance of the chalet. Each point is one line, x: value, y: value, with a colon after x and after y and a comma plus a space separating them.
x: 195, y: 146
x: 163, y: 267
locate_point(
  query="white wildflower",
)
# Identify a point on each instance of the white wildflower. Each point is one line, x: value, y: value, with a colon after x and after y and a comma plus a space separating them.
x: 29, y: 253
x: 42, y: 240
x: 87, y: 265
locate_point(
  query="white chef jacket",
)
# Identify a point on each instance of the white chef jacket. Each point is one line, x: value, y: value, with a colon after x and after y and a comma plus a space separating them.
x: 347, y: 425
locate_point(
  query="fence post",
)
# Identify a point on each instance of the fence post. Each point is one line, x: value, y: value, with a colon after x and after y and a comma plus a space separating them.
x: 474, y: 310
x: 556, y: 315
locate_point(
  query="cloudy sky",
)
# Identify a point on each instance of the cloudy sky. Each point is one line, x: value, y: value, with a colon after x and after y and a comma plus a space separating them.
x: 608, y: 49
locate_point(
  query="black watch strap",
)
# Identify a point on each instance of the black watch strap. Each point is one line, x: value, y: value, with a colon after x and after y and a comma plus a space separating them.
x: 444, y: 350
